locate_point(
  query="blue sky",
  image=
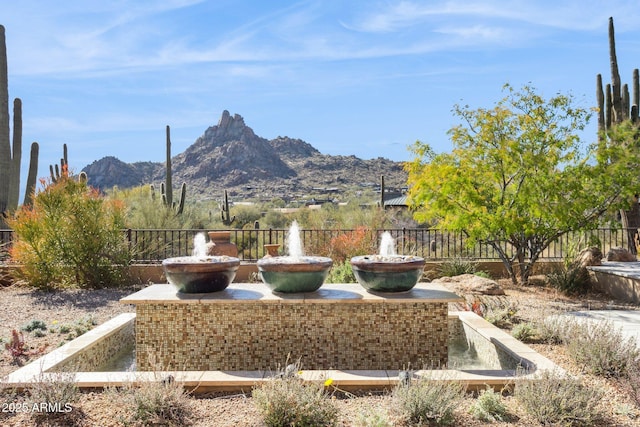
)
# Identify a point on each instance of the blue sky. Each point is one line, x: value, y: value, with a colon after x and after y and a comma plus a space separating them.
x: 361, y: 77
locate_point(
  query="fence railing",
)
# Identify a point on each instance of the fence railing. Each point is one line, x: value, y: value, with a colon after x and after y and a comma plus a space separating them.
x: 154, y: 245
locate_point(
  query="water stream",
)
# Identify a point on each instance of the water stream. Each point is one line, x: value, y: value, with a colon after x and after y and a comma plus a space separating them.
x: 199, y: 245
x: 294, y: 243
x: 387, y: 245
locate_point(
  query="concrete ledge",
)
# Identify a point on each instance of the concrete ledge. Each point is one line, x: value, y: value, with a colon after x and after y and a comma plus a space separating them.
x: 620, y: 280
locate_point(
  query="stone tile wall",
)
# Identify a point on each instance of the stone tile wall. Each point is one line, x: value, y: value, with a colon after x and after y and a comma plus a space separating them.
x: 492, y: 356
x: 99, y: 352
x: 259, y: 336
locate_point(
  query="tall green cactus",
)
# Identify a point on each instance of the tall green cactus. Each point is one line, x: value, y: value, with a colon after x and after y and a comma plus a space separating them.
x: 56, y: 172
x: 227, y: 219
x: 615, y: 105
x: 11, y: 156
x: 31, y: 177
x: 166, y: 188
x: 168, y: 193
x: 615, y: 102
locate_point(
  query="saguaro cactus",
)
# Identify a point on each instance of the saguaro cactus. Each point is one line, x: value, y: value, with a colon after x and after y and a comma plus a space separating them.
x: 56, y: 172
x: 227, y: 219
x: 166, y: 188
x: 615, y: 105
x: 64, y: 164
x: 11, y: 156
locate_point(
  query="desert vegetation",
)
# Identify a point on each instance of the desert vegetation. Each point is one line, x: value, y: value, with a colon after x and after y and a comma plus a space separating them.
x: 587, y: 393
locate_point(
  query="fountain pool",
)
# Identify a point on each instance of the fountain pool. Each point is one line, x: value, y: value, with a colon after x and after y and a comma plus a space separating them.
x: 498, y: 353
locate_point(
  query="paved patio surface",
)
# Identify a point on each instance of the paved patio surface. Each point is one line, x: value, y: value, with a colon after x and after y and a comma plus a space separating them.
x: 628, y: 321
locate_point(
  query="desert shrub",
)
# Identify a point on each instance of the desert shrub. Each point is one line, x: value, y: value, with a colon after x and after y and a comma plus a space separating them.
x: 33, y: 325
x: 373, y: 417
x: 64, y: 329
x: 163, y: 401
x: 428, y: 399
x: 556, y: 329
x: 602, y: 349
x: 569, y: 278
x: 456, y: 267
x: 274, y: 219
x: 8, y: 396
x: 484, y: 274
x: 19, y: 350
x: 632, y: 381
x: 83, y: 325
x: 598, y: 346
x: 71, y: 236
x: 555, y: 398
x: 501, y: 312
x: 352, y: 243
x: 59, y: 392
x: 286, y: 400
x: 246, y: 215
x: 144, y: 210
x: 524, y: 332
x: 489, y: 406
x: 341, y: 273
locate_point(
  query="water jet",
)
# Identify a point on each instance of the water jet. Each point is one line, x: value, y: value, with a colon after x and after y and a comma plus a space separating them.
x: 295, y: 272
x: 387, y: 271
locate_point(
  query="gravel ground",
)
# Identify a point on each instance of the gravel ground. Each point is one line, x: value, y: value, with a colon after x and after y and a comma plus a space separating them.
x: 75, y: 309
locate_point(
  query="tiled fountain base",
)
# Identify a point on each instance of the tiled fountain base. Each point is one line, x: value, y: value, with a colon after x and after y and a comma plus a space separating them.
x: 247, y: 327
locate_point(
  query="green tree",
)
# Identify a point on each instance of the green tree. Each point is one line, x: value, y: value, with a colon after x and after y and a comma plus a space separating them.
x: 71, y: 236
x: 519, y: 176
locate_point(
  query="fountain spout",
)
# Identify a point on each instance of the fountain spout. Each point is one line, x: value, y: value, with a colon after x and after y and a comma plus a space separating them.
x: 200, y: 247
x: 294, y: 243
x: 295, y: 272
x: 387, y: 245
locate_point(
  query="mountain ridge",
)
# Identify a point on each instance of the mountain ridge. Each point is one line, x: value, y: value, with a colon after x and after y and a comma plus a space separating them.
x: 230, y: 156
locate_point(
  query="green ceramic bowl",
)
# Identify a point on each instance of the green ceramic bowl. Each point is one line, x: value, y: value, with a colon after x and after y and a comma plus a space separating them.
x: 192, y: 275
x: 294, y: 274
x: 394, y: 273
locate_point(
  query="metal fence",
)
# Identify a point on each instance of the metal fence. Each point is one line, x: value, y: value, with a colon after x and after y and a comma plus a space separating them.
x: 154, y: 245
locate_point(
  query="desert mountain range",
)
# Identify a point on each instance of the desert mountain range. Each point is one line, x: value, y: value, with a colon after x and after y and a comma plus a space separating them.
x: 230, y: 156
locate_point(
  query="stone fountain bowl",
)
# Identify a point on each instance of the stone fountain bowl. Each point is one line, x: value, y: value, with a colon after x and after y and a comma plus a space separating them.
x: 192, y: 275
x: 387, y: 273
x: 287, y: 274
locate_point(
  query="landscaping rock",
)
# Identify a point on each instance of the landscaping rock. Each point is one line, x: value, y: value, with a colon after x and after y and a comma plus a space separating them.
x: 621, y: 255
x: 590, y: 256
x: 471, y: 284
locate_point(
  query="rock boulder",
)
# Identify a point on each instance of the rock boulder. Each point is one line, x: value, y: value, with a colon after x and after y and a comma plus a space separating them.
x: 471, y: 284
x: 621, y: 255
x: 590, y: 256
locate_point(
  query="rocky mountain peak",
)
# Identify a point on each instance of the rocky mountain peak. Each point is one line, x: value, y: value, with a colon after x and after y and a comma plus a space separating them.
x: 229, y: 128
x: 231, y: 156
